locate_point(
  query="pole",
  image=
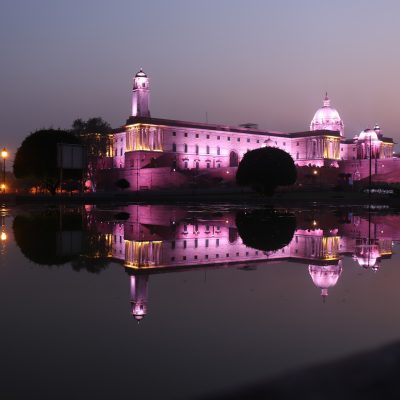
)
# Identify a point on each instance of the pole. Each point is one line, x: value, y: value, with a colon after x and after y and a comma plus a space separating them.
x: 370, y: 162
x: 4, y: 174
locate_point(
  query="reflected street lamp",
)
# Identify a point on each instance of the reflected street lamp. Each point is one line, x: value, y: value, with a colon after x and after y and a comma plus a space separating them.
x: 4, y: 155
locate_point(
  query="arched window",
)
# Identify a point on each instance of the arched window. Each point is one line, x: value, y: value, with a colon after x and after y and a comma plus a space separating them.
x: 233, y: 159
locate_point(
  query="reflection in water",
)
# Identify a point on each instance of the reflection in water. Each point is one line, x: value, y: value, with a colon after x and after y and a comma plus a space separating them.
x: 152, y: 239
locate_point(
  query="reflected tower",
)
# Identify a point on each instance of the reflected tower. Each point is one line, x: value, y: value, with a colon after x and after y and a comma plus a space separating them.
x: 139, y: 286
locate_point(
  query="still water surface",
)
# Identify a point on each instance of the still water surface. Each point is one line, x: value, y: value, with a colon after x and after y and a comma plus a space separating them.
x: 166, y: 302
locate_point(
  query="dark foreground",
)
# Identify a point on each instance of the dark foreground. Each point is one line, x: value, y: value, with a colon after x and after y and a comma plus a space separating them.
x: 371, y: 375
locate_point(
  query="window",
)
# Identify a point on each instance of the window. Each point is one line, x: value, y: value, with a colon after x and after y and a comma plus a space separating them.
x: 172, y: 258
x: 258, y: 141
x: 238, y: 139
x: 218, y: 165
x: 120, y: 152
x: 186, y: 148
x: 208, y: 150
x: 208, y: 165
x: 284, y: 143
x: 196, y: 243
x: 217, y: 242
x: 186, y: 165
x: 218, y: 151
x: 184, y: 258
x: 197, y: 165
x: 218, y: 137
x: 173, y: 133
x: 206, y: 256
x: 248, y: 140
x: 197, y: 149
x: 184, y: 244
x: 173, y: 244
x: 206, y: 242
x: 143, y: 85
x: 195, y: 257
x: 185, y: 134
x: 297, y: 143
x: 208, y: 136
x: 197, y: 135
x: 174, y: 147
x: 297, y: 155
x: 228, y: 138
x: 116, y: 152
x: 217, y: 256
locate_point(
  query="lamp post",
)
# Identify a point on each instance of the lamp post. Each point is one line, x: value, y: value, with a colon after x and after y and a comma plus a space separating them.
x: 4, y: 155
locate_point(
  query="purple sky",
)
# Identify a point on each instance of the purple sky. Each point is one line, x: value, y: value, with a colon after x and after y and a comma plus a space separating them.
x: 267, y: 62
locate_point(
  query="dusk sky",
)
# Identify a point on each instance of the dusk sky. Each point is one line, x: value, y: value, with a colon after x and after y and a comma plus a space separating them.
x: 266, y: 62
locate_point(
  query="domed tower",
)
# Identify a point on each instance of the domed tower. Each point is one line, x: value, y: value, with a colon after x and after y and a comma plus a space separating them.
x: 325, y: 276
x: 327, y: 118
x: 139, y: 286
x: 141, y: 95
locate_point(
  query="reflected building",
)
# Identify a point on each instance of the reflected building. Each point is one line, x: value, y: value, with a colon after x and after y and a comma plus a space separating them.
x: 165, y: 239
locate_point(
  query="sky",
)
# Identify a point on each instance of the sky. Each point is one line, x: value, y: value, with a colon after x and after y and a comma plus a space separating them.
x: 265, y: 62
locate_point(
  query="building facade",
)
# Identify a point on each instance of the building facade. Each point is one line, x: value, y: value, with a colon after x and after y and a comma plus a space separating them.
x: 156, y: 153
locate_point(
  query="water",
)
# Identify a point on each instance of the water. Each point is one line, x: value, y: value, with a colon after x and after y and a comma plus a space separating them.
x: 151, y: 302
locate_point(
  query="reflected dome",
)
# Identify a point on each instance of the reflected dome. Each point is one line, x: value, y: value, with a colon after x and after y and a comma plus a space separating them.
x: 367, y: 256
x: 325, y: 276
x: 327, y: 118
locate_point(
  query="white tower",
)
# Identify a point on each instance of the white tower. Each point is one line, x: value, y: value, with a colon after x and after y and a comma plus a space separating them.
x: 141, y: 95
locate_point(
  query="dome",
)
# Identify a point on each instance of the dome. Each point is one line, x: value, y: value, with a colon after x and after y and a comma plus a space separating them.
x: 141, y: 74
x: 366, y: 134
x: 325, y: 276
x: 327, y: 118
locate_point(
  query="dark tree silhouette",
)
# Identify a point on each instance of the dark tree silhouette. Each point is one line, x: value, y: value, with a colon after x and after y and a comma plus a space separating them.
x: 266, y: 230
x: 36, y: 158
x: 265, y: 169
x: 94, y: 135
x: 122, y: 183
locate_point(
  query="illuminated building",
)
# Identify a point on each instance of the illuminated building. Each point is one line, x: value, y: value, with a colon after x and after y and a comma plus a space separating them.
x: 156, y: 153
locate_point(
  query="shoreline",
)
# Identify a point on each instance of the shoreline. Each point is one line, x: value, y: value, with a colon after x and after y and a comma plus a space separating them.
x: 194, y: 196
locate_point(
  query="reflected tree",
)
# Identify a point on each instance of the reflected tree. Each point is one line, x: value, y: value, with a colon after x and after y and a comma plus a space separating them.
x: 266, y: 230
x: 38, y: 235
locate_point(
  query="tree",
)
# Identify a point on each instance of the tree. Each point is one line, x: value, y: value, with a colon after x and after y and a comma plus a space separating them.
x: 265, y: 169
x: 122, y: 183
x: 94, y: 135
x: 36, y: 158
x: 266, y: 230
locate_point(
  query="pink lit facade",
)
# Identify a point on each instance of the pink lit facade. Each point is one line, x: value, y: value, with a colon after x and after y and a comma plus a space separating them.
x: 154, y: 153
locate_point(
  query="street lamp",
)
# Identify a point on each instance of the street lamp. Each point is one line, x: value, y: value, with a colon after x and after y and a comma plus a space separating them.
x: 4, y: 155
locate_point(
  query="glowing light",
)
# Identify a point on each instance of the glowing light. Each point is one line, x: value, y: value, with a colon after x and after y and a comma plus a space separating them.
x: 3, y: 236
x: 4, y: 153
x: 315, y: 172
x: 314, y: 223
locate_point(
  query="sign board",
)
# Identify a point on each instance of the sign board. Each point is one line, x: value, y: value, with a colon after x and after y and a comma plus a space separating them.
x: 70, y: 156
